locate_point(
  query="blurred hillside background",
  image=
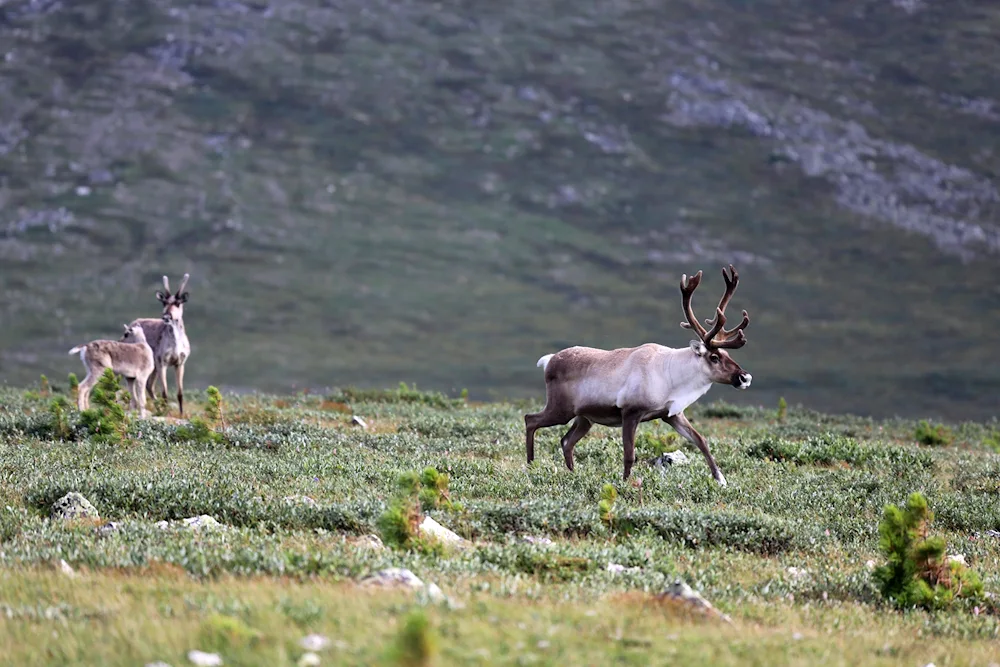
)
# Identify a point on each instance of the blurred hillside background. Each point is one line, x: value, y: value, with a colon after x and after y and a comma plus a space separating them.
x: 374, y: 191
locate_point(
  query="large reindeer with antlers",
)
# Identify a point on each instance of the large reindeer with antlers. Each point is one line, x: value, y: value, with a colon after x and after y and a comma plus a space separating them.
x: 628, y: 386
x: 168, y: 339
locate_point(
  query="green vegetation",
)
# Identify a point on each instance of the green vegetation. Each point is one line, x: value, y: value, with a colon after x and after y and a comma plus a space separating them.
x: 534, y: 579
x: 417, y: 643
x: 919, y: 573
x: 782, y: 409
x: 933, y: 434
x: 106, y: 420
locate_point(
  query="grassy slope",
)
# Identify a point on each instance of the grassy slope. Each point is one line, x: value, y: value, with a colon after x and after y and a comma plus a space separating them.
x: 443, y: 192
x: 286, y: 570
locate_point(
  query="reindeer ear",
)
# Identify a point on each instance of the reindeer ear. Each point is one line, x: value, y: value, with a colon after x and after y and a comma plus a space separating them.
x: 161, y: 296
x: 126, y: 327
x: 182, y: 298
x: 699, y: 348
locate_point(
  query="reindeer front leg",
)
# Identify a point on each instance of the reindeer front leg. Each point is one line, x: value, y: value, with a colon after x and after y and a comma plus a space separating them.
x: 180, y: 387
x: 630, y: 422
x: 684, y: 427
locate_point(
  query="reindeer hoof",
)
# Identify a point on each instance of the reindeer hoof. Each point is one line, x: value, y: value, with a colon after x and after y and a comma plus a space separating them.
x: 721, y: 479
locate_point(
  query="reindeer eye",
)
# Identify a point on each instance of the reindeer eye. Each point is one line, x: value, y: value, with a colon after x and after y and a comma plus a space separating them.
x: 714, y: 358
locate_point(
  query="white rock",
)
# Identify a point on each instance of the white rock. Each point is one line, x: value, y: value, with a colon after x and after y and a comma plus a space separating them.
x: 797, y: 572
x: 956, y: 558
x: 870, y: 564
x: 675, y: 458
x: 434, y: 593
x: 199, y: 522
x: 309, y: 660
x: 531, y: 539
x: 109, y: 527
x: 73, y: 506
x: 158, y: 663
x: 617, y: 567
x: 393, y: 576
x: 314, y: 643
x: 66, y: 569
x: 682, y: 592
x: 358, y: 421
x: 431, y: 528
x: 203, y: 659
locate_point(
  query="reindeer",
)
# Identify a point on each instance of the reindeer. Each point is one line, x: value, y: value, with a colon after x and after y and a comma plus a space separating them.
x: 131, y: 356
x: 168, y: 339
x: 627, y: 386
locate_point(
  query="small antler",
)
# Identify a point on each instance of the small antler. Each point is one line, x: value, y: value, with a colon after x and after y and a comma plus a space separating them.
x: 184, y: 282
x: 716, y: 337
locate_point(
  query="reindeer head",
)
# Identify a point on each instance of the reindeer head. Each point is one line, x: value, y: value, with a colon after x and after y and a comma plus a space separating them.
x: 173, y: 304
x: 133, y: 334
x: 713, y: 343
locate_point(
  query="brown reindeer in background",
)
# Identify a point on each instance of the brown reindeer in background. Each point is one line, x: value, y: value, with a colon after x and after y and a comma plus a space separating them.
x: 168, y: 339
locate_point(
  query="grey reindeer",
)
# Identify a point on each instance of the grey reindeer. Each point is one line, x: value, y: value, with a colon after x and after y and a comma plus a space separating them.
x: 168, y: 339
x: 131, y: 357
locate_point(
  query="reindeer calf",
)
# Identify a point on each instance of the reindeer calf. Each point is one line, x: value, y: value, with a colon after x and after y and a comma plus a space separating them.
x: 131, y: 357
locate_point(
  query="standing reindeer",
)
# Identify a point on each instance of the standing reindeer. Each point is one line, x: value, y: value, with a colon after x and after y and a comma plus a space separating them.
x: 627, y: 386
x: 131, y: 356
x: 167, y: 337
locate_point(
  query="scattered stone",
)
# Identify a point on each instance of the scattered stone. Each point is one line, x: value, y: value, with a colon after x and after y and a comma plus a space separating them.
x: 956, y: 558
x: 393, y: 576
x: 66, y: 568
x: 300, y: 500
x: 108, y: 528
x: 358, y: 421
x: 74, y: 506
x: 192, y: 522
x: 314, y: 643
x: 309, y: 660
x: 796, y: 636
x: 797, y: 572
x: 870, y: 564
x: 667, y: 459
x: 681, y: 592
x: 434, y: 593
x: 617, y: 568
x: 158, y: 663
x: 431, y: 528
x: 203, y: 659
x: 531, y: 539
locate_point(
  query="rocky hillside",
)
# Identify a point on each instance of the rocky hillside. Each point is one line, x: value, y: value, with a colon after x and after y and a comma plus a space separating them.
x: 369, y: 191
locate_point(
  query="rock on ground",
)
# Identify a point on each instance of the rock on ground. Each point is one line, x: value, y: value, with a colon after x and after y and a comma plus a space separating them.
x: 667, y: 459
x: 192, y: 522
x: 74, y: 506
x: 314, y: 643
x: 370, y: 542
x: 681, y: 592
x: 403, y: 578
x: 431, y: 528
x: 203, y: 659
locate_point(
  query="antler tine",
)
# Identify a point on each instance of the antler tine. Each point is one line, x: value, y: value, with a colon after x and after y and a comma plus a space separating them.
x: 732, y: 281
x: 184, y: 282
x: 166, y: 285
x: 688, y: 286
x: 720, y: 321
x: 737, y: 341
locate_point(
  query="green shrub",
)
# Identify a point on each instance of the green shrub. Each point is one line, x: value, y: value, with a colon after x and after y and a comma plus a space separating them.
x: 831, y: 448
x: 606, y: 505
x: 198, y: 430
x: 404, y: 394
x: 61, y: 428
x: 213, y: 406
x: 416, y: 645
x: 933, y: 434
x: 655, y: 444
x: 106, y: 420
x: 918, y: 573
x: 993, y: 441
x: 399, y: 524
x: 782, y: 409
x: 722, y: 410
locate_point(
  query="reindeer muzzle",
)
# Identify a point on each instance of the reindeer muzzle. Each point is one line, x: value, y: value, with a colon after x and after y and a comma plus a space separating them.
x: 742, y: 380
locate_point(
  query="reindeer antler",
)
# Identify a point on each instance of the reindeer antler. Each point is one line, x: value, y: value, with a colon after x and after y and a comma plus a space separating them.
x: 184, y: 282
x: 732, y: 338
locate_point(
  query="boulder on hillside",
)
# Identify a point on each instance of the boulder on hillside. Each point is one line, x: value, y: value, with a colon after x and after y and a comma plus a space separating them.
x: 74, y: 506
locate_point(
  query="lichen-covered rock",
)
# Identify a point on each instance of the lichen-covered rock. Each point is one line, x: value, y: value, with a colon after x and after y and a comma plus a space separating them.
x: 300, y: 500
x: 392, y: 577
x: 74, y: 506
x: 667, y: 459
x: 686, y: 595
x: 192, y: 523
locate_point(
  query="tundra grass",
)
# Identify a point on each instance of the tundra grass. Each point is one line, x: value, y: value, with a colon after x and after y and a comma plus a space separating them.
x: 784, y: 550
